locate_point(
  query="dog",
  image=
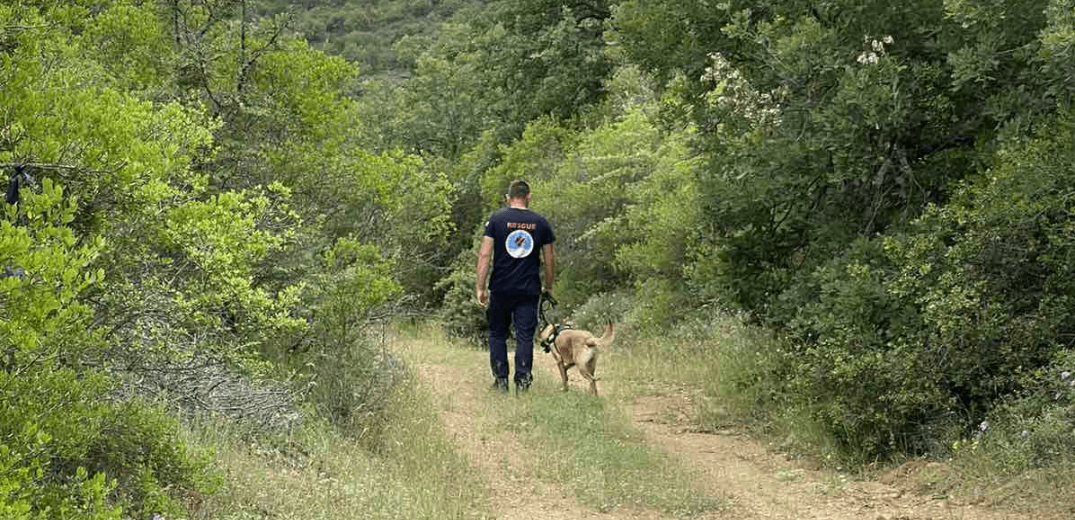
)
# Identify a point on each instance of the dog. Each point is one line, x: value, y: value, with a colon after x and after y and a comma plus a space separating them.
x: 577, y: 348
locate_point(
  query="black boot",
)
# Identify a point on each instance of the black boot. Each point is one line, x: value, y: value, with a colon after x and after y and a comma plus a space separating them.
x: 500, y: 384
x: 522, y: 384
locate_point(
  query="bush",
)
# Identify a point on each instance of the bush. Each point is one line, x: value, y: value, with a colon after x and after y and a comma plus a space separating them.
x: 349, y: 375
x: 592, y: 314
x: 908, y: 341
x: 462, y: 317
x: 1034, y: 428
x: 86, y: 452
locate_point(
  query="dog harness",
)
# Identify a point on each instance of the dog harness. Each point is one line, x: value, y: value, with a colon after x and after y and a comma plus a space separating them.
x: 546, y: 344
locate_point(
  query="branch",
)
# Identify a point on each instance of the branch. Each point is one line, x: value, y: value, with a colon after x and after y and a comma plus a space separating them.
x: 242, y: 49
x: 62, y: 167
x: 271, y: 44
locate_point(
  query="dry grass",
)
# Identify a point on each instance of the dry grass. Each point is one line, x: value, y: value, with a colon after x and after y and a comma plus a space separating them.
x: 724, y: 363
x: 414, y: 472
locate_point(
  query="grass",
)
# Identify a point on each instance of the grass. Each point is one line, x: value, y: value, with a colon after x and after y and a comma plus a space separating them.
x: 733, y: 369
x: 985, y: 471
x: 319, y: 473
x: 588, y: 445
x: 583, y: 444
x: 720, y: 358
x: 731, y: 366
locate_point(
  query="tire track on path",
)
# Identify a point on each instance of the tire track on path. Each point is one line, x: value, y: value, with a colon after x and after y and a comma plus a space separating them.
x: 467, y: 408
x: 761, y: 484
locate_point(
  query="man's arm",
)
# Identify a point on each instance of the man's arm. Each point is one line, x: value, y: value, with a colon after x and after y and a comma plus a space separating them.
x: 550, y: 266
x: 485, y: 253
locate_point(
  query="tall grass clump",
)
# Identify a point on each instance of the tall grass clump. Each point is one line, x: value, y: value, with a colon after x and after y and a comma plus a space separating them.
x: 410, y: 470
x: 741, y: 373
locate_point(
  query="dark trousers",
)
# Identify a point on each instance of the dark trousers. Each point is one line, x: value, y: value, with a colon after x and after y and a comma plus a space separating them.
x: 503, y: 310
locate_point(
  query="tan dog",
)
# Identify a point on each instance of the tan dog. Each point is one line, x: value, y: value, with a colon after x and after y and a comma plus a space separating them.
x: 577, y: 348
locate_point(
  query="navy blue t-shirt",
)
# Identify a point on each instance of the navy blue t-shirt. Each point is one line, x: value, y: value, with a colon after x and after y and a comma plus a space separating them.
x: 518, y: 237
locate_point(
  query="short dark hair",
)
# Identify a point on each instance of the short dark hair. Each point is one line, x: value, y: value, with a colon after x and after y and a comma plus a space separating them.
x: 518, y: 189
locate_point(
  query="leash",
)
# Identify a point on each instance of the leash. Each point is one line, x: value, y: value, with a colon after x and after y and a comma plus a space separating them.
x: 546, y: 298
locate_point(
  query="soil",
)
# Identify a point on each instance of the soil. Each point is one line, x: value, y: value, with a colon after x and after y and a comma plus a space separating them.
x: 760, y: 482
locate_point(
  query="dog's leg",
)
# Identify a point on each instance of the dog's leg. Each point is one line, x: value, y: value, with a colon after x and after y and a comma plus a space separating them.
x: 563, y: 372
x: 586, y: 369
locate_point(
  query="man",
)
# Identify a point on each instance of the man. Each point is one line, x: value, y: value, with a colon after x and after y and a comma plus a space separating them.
x: 514, y: 236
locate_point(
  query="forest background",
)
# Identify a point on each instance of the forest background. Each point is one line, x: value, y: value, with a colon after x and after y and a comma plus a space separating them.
x: 227, y: 199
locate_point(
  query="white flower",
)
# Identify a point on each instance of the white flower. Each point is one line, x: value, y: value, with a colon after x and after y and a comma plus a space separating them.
x: 867, y: 58
x: 1065, y: 374
x: 877, y: 46
x: 888, y: 39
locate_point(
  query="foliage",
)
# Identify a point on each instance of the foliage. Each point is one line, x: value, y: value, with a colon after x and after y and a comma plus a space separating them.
x: 66, y: 448
x: 855, y: 191
x: 348, y: 373
x: 461, y: 316
x: 201, y: 201
x: 365, y: 32
x: 223, y: 207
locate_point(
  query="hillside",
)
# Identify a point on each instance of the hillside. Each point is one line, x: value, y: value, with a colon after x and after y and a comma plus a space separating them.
x: 366, y: 31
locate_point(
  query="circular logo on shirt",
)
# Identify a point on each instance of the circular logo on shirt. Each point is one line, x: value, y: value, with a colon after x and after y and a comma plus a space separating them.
x: 519, y: 244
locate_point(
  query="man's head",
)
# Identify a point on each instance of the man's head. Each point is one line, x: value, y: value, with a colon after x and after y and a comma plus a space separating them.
x: 519, y: 191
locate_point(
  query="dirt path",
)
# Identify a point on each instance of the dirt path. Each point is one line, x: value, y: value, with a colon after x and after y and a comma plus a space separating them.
x: 515, y: 494
x: 767, y: 485
x: 761, y: 484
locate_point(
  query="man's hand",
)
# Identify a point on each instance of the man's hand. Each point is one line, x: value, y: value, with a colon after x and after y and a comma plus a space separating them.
x: 547, y: 296
x: 483, y: 298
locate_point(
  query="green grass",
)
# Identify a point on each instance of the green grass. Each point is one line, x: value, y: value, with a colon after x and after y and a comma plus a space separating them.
x: 415, y: 472
x: 733, y: 369
x: 587, y: 444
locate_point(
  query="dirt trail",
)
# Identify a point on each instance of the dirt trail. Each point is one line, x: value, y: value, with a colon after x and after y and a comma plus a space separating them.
x: 766, y: 485
x: 516, y: 495
x: 761, y: 484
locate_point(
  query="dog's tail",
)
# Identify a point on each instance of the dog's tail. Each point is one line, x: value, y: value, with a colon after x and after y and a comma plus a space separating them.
x: 605, y: 341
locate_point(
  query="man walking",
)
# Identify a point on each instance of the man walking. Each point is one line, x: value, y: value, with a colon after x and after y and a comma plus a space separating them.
x: 515, y: 238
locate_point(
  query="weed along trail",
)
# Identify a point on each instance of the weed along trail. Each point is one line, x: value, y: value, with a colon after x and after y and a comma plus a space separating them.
x: 630, y: 453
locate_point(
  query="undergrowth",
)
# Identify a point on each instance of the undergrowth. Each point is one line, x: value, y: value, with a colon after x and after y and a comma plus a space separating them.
x: 411, y: 470
x: 1019, y: 457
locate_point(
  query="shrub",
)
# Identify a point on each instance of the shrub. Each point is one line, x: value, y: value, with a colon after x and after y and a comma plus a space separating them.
x: 908, y: 341
x: 462, y: 317
x: 592, y: 314
x: 349, y: 375
x: 1034, y: 428
x: 84, y: 451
